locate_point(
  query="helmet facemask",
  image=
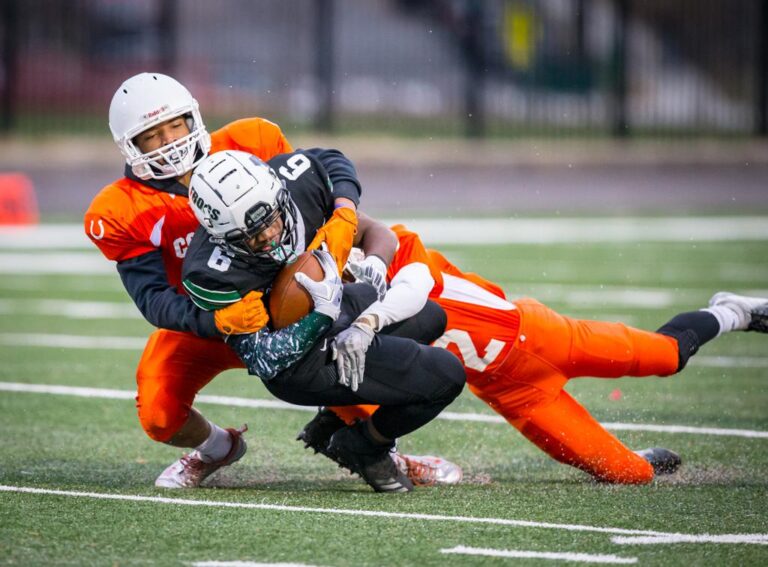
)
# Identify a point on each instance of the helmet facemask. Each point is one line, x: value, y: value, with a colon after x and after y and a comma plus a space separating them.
x: 258, y: 219
x: 172, y: 160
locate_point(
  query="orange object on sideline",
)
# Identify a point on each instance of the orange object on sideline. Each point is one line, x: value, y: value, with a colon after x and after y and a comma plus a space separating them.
x: 18, y: 204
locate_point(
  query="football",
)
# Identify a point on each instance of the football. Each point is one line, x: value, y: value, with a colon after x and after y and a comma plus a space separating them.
x: 288, y: 300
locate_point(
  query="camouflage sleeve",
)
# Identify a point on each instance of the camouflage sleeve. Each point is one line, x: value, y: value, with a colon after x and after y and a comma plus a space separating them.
x: 267, y: 353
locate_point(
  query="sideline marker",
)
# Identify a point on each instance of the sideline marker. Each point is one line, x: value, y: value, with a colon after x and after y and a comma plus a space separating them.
x: 18, y: 204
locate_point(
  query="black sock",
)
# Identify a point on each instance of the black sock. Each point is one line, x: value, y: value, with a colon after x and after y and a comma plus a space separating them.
x: 691, y: 330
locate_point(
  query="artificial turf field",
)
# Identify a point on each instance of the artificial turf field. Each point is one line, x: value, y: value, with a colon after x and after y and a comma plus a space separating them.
x: 77, y: 472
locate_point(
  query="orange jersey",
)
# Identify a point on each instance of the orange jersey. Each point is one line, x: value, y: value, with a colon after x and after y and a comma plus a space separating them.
x: 482, y: 325
x: 128, y: 218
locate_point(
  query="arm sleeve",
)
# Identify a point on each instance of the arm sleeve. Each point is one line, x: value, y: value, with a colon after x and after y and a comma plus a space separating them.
x: 341, y: 173
x: 145, y: 280
x: 407, y: 295
x: 267, y: 353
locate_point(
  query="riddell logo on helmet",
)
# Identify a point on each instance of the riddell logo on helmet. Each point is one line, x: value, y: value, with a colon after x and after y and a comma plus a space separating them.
x: 198, y: 201
x: 157, y: 112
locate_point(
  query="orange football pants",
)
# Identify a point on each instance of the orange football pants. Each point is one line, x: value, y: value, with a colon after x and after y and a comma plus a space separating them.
x: 173, y: 369
x: 527, y: 388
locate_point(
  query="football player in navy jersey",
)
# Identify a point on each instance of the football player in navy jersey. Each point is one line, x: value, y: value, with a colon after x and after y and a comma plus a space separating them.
x: 256, y: 217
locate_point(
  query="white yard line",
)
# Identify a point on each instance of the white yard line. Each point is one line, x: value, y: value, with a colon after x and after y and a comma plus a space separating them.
x: 246, y: 564
x: 484, y: 231
x: 80, y: 263
x: 231, y: 401
x: 549, y: 555
x: 364, y: 513
x: 70, y: 309
x: 72, y: 341
x: 730, y: 361
x: 757, y: 539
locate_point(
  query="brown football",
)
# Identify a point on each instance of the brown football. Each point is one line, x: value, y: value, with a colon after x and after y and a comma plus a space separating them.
x: 288, y: 300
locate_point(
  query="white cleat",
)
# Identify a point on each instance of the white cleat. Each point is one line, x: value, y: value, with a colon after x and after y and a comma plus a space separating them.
x: 190, y: 470
x: 751, y: 312
x: 426, y: 470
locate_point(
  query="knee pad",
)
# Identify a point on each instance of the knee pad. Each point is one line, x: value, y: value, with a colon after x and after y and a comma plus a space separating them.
x: 688, y: 343
x: 162, y: 416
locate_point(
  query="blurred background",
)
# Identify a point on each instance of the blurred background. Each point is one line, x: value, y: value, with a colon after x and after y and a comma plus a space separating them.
x: 447, y: 106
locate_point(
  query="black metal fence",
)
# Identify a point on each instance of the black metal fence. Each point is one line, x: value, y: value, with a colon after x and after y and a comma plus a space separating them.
x: 414, y: 67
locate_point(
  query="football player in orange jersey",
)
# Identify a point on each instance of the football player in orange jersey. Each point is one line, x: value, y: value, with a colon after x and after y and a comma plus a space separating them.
x: 519, y: 355
x: 143, y: 222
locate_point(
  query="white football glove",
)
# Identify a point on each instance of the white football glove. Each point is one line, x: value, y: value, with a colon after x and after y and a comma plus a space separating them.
x: 326, y: 294
x: 349, y: 348
x: 372, y: 270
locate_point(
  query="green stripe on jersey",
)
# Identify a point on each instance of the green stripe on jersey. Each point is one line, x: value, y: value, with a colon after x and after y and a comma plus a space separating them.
x: 210, y: 299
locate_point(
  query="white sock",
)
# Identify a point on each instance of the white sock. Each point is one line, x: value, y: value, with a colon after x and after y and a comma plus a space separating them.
x: 217, y: 445
x: 728, y: 319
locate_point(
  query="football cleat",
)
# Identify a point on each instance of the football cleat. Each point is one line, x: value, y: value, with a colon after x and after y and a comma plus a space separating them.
x: 352, y: 450
x: 422, y: 470
x: 752, y: 312
x: 426, y: 470
x: 190, y: 470
x: 317, y: 433
x: 662, y: 460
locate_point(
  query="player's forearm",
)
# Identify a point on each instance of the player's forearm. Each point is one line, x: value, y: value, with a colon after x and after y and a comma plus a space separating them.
x: 375, y: 238
x: 144, y: 279
x: 407, y: 295
x: 267, y: 353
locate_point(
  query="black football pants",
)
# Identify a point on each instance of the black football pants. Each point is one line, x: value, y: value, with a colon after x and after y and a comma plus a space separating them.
x: 412, y: 382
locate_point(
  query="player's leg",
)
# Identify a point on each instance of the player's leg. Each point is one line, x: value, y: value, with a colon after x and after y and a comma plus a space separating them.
x: 527, y: 390
x: 431, y: 380
x: 174, y: 367
x: 569, y: 434
x: 612, y: 349
x: 425, y: 327
x: 411, y: 382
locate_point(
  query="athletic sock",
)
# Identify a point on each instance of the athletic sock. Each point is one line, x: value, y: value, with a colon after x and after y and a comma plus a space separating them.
x: 728, y: 319
x: 216, y: 446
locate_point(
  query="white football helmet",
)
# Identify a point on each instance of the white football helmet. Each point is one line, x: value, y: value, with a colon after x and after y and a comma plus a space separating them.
x: 145, y: 100
x: 235, y: 196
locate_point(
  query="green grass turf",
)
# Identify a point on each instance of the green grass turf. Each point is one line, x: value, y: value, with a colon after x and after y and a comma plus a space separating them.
x: 95, y: 445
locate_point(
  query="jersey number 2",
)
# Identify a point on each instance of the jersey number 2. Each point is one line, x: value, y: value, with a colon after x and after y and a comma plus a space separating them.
x: 472, y: 358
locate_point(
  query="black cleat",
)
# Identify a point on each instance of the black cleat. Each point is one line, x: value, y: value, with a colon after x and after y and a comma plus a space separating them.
x: 317, y: 433
x: 759, y: 319
x: 662, y: 460
x: 352, y: 449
